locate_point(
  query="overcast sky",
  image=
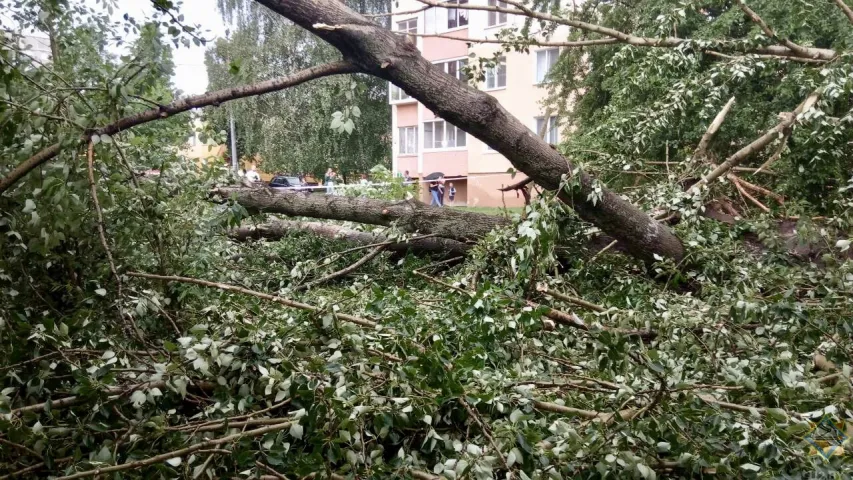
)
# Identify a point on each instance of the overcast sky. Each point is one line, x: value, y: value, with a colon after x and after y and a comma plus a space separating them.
x: 190, y: 73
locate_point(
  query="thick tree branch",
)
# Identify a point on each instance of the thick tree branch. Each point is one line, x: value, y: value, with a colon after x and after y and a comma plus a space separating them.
x: 408, y: 215
x: 812, y: 53
x: 384, y: 54
x: 189, y: 103
x: 846, y: 9
x: 522, y: 41
x: 278, y: 229
x: 760, y: 143
x: 702, y: 149
x: 769, y: 31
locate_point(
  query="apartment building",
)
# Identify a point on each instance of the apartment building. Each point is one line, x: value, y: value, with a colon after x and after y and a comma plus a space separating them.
x: 424, y: 143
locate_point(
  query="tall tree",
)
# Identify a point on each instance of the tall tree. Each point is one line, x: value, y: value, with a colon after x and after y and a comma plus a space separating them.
x: 343, y: 122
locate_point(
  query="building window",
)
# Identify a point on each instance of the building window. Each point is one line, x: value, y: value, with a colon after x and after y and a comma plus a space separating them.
x: 545, y: 61
x: 397, y: 93
x: 456, y: 17
x: 440, y: 134
x: 497, y: 18
x: 408, y: 28
x: 496, y: 75
x: 552, y: 135
x: 408, y: 140
x: 455, y: 68
x: 547, y: 5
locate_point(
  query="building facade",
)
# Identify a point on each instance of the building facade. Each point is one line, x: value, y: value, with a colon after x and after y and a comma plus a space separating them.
x: 424, y: 143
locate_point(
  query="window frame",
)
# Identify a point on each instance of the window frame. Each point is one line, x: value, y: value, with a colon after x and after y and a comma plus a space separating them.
x: 407, y: 32
x: 394, y: 101
x: 461, y: 61
x: 495, y: 73
x: 458, y: 15
x: 497, y: 15
x: 457, y: 134
x: 402, y: 135
x: 552, y: 129
x: 548, y: 51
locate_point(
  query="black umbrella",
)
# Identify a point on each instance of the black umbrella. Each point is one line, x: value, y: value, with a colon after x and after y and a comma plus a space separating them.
x: 434, y: 176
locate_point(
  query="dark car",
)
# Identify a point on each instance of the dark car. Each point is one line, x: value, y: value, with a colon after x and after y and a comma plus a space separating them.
x: 285, y: 182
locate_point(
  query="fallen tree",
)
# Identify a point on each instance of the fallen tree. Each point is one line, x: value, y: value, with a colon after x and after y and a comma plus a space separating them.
x: 378, y: 51
x: 278, y: 229
x: 408, y: 215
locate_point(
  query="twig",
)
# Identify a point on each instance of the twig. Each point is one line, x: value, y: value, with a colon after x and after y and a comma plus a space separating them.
x: 749, y: 197
x: 760, y: 189
x: 739, y: 408
x: 273, y: 298
x: 573, y: 300
x: 32, y: 468
x: 270, y: 470
x: 605, y: 417
x: 228, y: 424
x: 102, y: 234
x: 177, y: 453
x: 776, y: 155
x: 476, y: 416
x: 22, y: 448
x: 344, y: 271
x: 602, y: 251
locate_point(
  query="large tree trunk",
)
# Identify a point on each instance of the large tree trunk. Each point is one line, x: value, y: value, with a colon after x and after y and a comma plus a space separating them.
x: 278, y: 229
x: 377, y: 51
x: 408, y: 215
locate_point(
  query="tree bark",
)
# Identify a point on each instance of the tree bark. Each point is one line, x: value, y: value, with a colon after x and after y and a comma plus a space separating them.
x: 278, y: 229
x: 379, y: 52
x: 408, y: 215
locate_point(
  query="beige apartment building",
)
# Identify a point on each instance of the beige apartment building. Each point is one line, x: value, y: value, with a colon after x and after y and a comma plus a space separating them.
x: 423, y: 143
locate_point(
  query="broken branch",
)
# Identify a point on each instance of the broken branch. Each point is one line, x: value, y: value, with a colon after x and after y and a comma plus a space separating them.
x: 189, y: 103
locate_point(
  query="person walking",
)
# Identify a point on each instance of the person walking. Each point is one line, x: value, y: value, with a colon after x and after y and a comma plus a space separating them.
x: 451, y: 192
x: 433, y: 192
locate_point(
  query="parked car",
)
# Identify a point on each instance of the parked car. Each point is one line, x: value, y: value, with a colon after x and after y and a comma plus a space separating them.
x: 282, y: 182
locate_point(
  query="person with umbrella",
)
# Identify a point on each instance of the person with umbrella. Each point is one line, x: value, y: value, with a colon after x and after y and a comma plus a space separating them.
x: 435, y: 199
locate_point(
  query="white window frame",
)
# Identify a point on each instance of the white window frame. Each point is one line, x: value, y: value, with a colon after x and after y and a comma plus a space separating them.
x: 552, y: 135
x: 459, y: 13
x: 460, y: 62
x: 494, y: 73
x: 549, y: 52
x: 408, y: 30
x: 446, y: 127
x: 407, y: 148
x: 496, y: 19
x: 397, y: 95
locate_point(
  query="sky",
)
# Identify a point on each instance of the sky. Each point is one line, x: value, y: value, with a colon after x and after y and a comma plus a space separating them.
x: 190, y: 72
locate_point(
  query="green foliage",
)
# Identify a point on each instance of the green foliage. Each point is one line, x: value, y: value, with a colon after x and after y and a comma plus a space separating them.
x: 340, y: 122
x: 462, y: 376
